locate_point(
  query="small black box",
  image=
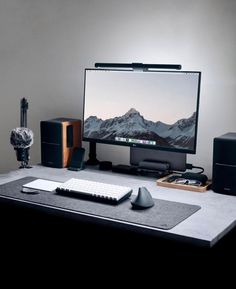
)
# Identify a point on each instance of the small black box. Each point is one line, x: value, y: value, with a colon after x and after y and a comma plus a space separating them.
x: 224, y: 164
x: 125, y: 169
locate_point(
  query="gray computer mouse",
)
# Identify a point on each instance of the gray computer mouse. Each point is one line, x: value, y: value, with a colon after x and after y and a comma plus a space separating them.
x: 143, y: 200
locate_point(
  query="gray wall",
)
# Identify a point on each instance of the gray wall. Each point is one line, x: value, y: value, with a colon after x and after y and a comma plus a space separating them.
x: 46, y: 44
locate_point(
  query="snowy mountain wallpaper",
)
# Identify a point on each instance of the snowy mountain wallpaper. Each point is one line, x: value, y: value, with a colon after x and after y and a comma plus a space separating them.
x: 133, y: 125
x: 146, y: 109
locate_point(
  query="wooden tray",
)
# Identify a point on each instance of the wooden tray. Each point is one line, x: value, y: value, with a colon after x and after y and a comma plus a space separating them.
x: 162, y: 182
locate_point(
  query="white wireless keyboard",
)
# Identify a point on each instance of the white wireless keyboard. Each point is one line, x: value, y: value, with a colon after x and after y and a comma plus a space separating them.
x: 96, y: 191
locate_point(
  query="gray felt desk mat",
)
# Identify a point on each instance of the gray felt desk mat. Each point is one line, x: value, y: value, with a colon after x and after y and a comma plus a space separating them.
x: 163, y: 215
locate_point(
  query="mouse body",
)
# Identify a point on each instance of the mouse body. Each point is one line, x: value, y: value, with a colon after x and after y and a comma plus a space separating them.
x: 143, y: 200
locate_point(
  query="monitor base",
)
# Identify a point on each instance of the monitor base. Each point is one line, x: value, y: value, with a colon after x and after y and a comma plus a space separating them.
x: 92, y: 162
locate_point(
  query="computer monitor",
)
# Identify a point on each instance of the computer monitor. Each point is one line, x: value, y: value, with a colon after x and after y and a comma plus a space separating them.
x: 156, y: 110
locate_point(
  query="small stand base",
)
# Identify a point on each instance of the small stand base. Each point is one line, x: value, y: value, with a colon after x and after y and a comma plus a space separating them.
x: 92, y: 162
x: 25, y: 167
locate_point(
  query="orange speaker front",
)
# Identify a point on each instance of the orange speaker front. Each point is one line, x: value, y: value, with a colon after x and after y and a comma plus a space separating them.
x: 59, y: 137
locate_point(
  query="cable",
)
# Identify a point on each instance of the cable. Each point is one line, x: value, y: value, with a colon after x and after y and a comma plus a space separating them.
x: 190, y: 167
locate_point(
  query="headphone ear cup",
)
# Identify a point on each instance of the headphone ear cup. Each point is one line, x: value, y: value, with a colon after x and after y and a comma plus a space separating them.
x: 195, y: 176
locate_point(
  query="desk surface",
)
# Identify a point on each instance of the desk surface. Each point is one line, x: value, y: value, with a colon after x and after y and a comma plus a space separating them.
x: 216, y: 217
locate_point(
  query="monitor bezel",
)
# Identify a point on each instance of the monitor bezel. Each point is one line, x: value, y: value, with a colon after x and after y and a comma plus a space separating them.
x: 156, y: 147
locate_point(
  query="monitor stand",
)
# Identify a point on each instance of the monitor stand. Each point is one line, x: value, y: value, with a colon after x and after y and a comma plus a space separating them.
x: 176, y: 160
x: 153, y: 163
x: 92, y: 161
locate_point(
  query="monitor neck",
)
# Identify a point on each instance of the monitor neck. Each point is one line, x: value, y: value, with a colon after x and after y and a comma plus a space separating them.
x: 92, y: 161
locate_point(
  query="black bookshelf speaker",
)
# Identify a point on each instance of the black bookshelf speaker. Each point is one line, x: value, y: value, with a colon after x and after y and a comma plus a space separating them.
x: 224, y: 164
x: 59, y: 138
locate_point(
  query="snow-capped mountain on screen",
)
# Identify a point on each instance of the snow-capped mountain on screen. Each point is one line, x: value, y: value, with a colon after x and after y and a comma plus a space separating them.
x: 133, y: 125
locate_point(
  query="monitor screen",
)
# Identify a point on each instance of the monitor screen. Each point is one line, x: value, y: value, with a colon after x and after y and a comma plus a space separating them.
x: 149, y: 109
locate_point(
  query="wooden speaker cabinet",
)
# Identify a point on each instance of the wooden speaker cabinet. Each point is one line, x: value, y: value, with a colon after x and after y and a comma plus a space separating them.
x: 59, y: 137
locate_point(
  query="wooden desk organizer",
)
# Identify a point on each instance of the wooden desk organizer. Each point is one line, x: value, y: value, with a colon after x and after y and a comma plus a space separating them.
x: 162, y: 182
